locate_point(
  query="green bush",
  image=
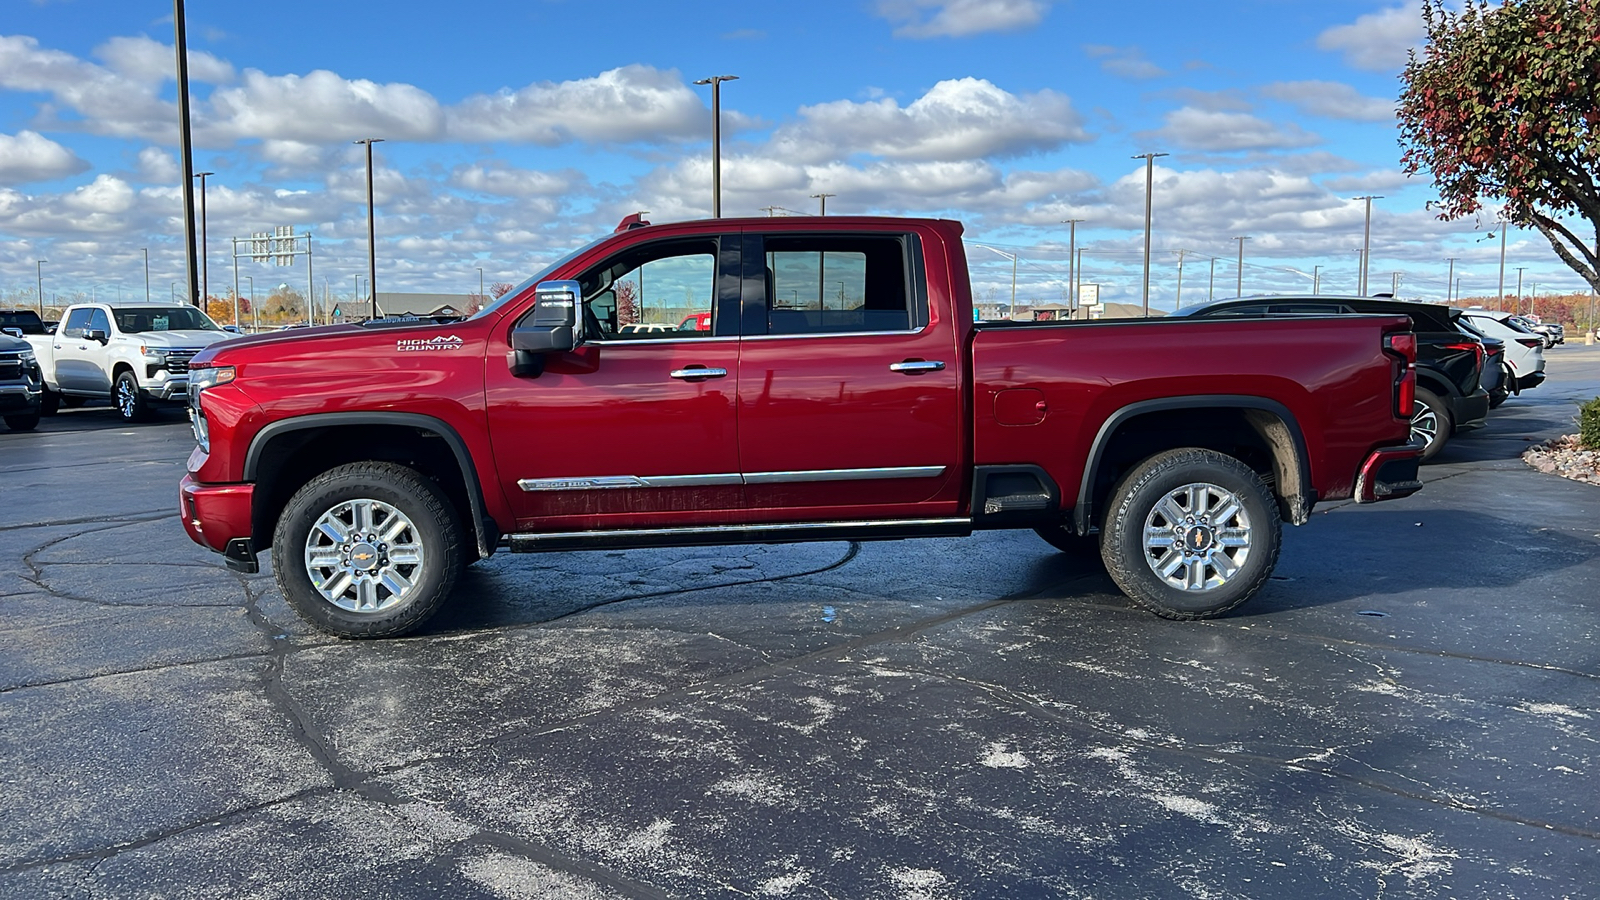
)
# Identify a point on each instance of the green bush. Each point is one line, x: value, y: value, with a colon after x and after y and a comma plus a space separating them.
x: 1589, y: 424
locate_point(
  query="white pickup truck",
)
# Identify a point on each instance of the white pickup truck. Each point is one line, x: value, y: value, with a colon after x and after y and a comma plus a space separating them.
x: 134, y: 354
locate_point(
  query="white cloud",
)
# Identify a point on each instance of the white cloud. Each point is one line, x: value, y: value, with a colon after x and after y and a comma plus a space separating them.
x: 157, y: 166
x: 30, y: 156
x: 954, y: 120
x: 1124, y: 62
x: 146, y: 60
x: 505, y: 181
x: 320, y: 107
x: 1332, y: 99
x: 1377, y: 42
x: 106, y: 194
x: 108, y: 102
x: 960, y: 18
x: 633, y: 103
x: 1382, y: 180
x: 1229, y: 131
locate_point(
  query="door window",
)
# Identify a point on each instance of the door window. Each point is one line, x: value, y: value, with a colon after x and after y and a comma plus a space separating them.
x: 821, y: 284
x: 662, y: 291
x: 77, y: 322
x: 99, y: 322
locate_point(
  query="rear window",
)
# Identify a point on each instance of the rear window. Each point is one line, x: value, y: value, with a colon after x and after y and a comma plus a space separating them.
x: 25, y: 321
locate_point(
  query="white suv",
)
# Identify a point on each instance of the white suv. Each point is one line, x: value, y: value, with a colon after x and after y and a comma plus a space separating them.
x: 1524, y: 349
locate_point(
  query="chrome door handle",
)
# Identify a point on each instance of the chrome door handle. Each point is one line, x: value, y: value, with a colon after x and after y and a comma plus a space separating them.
x: 694, y: 372
x: 915, y: 367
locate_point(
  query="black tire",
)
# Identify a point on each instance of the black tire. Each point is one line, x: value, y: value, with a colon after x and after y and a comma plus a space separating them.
x: 128, y: 399
x: 1431, y: 422
x: 49, y: 402
x: 23, y: 422
x: 1136, y: 504
x: 429, y: 523
x: 1063, y: 538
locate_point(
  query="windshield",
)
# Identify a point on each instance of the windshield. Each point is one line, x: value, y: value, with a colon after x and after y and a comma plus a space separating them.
x: 137, y: 320
x: 505, y: 298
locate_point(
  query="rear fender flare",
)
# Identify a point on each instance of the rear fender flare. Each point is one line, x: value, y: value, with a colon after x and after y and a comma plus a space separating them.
x: 1271, y: 419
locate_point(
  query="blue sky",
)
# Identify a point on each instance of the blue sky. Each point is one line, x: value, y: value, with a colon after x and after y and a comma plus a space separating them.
x: 515, y: 131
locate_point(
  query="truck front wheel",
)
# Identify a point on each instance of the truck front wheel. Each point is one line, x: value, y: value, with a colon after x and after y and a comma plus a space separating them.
x: 1190, y: 534
x: 367, y: 550
x: 128, y: 398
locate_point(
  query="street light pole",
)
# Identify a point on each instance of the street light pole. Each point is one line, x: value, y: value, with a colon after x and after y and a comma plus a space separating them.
x: 205, y: 266
x: 1520, y: 270
x: 38, y: 271
x: 1366, y: 243
x: 1500, y: 293
x: 1238, y: 289
x: 147, y: 274
x: 1072, y: 261
x: 1316, y: 281
x: 1450, y: 279
x: 716, y: 139
x: 372, y: 248
x: 824, y: 199
x: 1211, y: 286
x: 1149, y: 184
x: 480, y: 284
x: 185, y: 146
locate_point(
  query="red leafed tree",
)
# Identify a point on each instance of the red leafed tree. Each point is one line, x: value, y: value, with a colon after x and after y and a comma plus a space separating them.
x: 1501, y: 106
x: 627, y: 302
x: 499, y: 288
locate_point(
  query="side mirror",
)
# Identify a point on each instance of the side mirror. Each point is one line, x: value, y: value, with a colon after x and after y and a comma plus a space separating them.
x: 96, y: 334
x: 553, y: 327
x: 14, y: 332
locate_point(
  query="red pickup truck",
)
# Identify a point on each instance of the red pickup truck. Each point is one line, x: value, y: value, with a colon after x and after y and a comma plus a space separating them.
x: 842, y: 391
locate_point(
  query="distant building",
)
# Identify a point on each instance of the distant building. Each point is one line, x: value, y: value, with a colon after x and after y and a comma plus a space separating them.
x: 403, y: 304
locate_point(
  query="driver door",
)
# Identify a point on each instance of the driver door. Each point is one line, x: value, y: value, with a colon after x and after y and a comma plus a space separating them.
x: 636, y: 428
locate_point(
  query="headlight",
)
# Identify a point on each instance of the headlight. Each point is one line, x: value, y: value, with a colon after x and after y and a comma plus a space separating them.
x: 211, y: 376
x: 154, y: 354
x: 26, y: 356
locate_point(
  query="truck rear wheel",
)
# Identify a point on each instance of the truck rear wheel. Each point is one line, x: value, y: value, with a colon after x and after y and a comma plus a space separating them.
x: 1190, y: 534
x: 23, y: 422
x: 367, y: 550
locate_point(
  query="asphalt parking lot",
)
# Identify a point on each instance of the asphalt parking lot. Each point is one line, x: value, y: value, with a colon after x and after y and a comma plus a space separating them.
x: 1408, y: 710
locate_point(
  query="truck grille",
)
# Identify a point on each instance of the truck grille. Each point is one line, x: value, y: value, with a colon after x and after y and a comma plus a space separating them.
x: 10, y: 367
x: 178, y: 360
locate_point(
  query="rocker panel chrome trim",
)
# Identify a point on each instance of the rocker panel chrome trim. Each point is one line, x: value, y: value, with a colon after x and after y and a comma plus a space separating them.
x: 610, y: 482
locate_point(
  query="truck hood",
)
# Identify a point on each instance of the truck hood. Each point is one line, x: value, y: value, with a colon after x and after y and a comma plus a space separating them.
x: 294, y: 335
x: 174, y: 340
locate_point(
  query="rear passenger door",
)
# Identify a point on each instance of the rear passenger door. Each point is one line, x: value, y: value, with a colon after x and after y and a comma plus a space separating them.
x: 849, y: 390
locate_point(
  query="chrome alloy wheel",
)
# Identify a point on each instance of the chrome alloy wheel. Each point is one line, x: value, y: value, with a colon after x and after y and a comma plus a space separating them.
x: 1197, y: 537
x: 1424, y: 423
x: 127, y: 398
x: 364, y: 556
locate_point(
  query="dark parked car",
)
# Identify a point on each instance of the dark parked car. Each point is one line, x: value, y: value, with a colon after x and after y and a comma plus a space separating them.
x: 1451, y: 395
x: 22, y: 321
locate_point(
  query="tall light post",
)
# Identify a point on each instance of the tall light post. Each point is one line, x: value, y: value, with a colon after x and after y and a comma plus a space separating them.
x: 255, y: 316
x: 1500, y: 292
x: 1450, y: 279
x: 372, y: 248
x: 1366, y: 242
x: 1149, y: 185
x: 1072, y: 260
x: 1316, y: 281
x: 480, y: 284
x: 1238, y: 289
x: 824, y: 199
x: 38, y: 271
x: 185, y: 145
x: 716, y: 139
x: 1211, y: 285
x: 1520, y: 270
x: 147, y: 274
x: 205, y: 267
x: 1394, y: 286
x: 1178, y: 304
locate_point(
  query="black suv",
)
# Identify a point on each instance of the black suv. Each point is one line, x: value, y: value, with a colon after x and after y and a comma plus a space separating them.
x: 21, y: 386
x: 1451, y: 393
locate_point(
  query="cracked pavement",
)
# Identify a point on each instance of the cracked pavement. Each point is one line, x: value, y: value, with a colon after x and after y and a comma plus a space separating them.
x: 1407, y: 710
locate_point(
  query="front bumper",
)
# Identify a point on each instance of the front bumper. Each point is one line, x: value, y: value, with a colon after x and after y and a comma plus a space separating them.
x: 1389, y: 474
x: 217, y: 516
x: 171, y: 388
x: 19, y: 398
